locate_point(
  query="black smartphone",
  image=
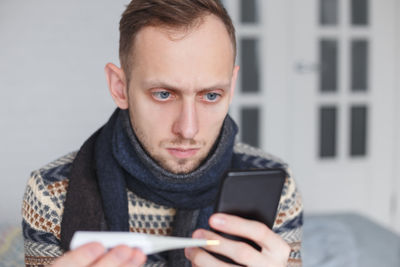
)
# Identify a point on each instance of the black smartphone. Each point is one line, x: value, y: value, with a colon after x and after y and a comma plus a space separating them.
x: 253, y: 195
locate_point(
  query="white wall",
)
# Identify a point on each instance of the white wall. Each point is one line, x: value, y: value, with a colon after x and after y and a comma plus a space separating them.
x: 53, y: 93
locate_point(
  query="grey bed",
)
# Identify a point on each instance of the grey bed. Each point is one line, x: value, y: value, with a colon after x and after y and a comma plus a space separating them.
x: 337, y: 240
x: 348, y: 240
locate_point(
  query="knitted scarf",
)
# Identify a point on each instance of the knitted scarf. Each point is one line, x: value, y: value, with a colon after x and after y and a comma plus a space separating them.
x: 121, y: 162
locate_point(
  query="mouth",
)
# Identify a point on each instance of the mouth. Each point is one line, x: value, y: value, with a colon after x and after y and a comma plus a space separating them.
x: 182, y: 153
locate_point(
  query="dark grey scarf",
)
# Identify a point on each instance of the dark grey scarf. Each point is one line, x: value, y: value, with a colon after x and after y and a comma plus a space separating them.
x: 122, y: 163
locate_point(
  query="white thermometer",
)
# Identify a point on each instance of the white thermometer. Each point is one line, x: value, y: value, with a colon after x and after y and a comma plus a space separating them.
x: 149, y: 244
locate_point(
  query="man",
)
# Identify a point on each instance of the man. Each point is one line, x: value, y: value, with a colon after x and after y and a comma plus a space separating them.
x: 154, y: 167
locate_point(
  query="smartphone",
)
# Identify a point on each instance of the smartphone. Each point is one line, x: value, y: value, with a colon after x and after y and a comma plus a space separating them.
x: 251, y: 194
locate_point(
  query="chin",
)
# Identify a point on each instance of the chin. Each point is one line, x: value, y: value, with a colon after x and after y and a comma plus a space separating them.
x: 181, y: 167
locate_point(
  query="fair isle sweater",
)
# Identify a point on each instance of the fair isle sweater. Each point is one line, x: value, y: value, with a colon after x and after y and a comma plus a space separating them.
x: 45, y: 194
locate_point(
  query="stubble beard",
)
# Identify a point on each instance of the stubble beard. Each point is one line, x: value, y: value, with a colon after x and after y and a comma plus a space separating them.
x: 171, y: 164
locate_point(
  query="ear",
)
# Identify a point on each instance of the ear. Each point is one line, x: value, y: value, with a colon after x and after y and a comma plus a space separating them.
x: 117, y: 85
x: 233, y: 81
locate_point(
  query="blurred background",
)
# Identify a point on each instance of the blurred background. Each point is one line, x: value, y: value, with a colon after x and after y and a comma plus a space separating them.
x: 319, y: 87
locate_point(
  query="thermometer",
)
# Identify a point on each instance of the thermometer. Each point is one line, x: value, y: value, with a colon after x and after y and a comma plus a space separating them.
x: 149, y: 244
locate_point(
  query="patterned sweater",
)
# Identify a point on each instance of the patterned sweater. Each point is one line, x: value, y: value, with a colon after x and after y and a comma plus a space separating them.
x: 43, y: 206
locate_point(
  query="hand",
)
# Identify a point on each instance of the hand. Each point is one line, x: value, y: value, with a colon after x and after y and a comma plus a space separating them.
x: 274, y: 250
x: 95, y: 255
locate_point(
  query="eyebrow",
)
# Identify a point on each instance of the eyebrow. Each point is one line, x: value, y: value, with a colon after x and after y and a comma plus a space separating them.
x: 169, y: 86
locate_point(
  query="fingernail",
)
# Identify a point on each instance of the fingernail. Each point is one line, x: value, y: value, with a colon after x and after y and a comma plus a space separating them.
x: 218, y: 220
x: 95, y: 249
x: 138, y: 258
x: 122, y: 253
x: 188, y: 251
x: 198, y: 234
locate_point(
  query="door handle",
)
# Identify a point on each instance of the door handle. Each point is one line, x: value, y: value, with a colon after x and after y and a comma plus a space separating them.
x: 303, y: 67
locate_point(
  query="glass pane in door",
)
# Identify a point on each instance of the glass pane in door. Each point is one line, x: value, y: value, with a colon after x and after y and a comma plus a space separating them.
x: 358, y: 131
x: 329, y: 65
x: 250, y: 81
x: 248, y: 11
x: 327, y: 131
x: 359, y: 12
x: 328, y: 13
x: 250, y: 126
x: 359, y: 65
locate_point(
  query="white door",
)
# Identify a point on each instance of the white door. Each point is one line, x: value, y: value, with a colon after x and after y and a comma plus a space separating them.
x: 342, y: 105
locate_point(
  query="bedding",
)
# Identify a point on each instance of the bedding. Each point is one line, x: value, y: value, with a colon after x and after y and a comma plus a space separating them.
x: 348, y: 240
x: 11, y: 246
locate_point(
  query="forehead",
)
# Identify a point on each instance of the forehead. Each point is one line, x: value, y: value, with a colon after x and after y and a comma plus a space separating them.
x: 187, y: 58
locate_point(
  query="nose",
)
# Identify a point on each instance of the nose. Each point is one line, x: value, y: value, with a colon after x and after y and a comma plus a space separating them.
x: 186, y: 124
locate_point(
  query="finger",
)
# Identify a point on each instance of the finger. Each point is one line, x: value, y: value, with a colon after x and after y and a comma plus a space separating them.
x: 138, y: 258
x: 199, y: 257
x: 238, y: 251
x: 115, y: 257
x: 253, y: 230
x: 82, y: 256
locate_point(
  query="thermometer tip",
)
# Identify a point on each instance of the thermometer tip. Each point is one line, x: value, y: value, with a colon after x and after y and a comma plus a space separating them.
x: 212, y: 242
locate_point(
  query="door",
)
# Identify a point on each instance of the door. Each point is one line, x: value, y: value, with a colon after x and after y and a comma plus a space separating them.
x: 317, y: 88
x: 342, y: 105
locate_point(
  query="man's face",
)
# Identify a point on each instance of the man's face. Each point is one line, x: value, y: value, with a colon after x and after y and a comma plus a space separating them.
x: 181, y: 85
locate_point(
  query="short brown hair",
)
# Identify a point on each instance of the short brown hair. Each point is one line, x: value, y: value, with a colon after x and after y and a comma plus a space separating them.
x: 169, y: 13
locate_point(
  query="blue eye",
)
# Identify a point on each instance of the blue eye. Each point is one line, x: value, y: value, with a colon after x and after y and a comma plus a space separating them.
x: 212, y: 97
x: 162, y: 95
